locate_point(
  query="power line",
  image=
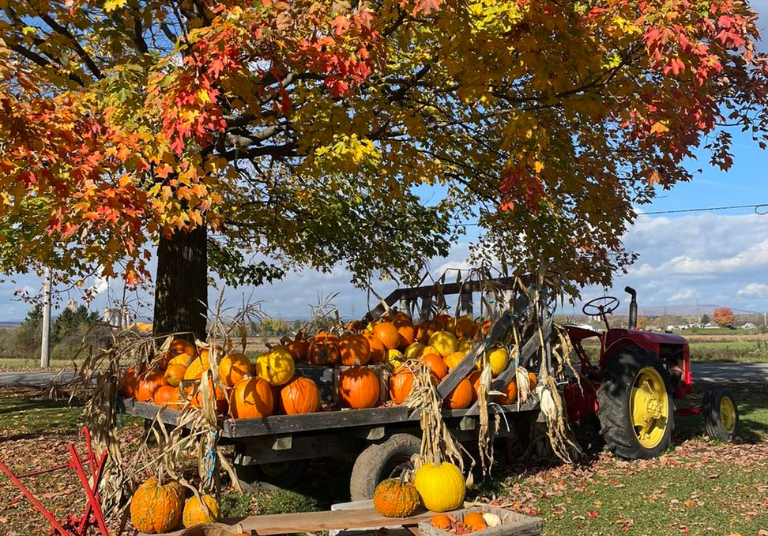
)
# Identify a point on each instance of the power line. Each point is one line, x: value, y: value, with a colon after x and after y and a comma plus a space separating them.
x: 757, y: 208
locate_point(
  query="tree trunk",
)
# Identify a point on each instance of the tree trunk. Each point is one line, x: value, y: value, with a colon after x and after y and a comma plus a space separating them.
x: 181, y: 287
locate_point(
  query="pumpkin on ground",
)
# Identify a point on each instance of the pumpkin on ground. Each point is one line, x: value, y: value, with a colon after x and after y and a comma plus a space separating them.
x: 130, y: 383
x: 444, y: 342
x: 441, y: 487
x: 157, y: 508
x: 510, y: 393
x: 400, y: 385
x: 174, y: 374
x: 276, y: 366
x: 251, y: 399
x: 233, y: 368
x: 196, y: 514
x: 300, y: 395
x: 395, y: 499
x: 359, y: 388
x: 436, y: 365
x: 475, y: 521
x: 150, y: 382
x: 354, y: 350
x: 378, y: 352
x: 324, y: 349
x: 387, y: 333
x: 453, y: 359
x: 461, y: 396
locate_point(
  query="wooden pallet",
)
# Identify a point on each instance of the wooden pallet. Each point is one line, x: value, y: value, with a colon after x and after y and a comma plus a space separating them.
x: 363, y: 519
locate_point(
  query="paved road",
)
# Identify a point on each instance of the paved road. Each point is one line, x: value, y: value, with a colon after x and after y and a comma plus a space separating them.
x: 702, y: 372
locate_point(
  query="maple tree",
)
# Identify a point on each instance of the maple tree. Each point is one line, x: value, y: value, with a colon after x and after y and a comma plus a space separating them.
x: 724, y: 317
x: 252, y: 137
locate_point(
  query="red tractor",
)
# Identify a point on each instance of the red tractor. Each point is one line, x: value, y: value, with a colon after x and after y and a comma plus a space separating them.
x: 632, y: 387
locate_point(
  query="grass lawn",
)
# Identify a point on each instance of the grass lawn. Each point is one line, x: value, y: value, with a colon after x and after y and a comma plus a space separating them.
x: 698, y: 487
x: 10, y: 364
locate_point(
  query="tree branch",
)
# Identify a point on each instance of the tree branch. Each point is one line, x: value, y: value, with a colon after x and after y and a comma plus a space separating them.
x: 79, y: 50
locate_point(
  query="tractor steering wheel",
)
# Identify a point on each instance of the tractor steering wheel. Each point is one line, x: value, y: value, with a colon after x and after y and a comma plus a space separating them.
x: 603, y: 305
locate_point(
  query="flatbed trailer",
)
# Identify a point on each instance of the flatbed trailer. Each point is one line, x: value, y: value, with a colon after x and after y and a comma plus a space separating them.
x: 276, y: 449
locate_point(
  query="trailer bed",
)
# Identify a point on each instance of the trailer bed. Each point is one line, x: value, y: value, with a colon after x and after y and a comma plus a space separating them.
x: 311, y: 422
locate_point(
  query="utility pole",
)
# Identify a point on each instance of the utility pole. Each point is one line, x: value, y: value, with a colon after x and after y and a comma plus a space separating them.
x: 45, y: 352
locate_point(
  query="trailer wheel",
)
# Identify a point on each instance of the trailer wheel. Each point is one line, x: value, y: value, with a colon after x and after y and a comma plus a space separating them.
x: 721, y: 414
x: 379, y: 462
x: 277, y: 475
x: 635, y: 409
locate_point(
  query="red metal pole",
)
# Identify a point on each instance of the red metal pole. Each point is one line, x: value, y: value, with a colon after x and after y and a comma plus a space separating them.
x: 38, y: 505
x: 92, y: 500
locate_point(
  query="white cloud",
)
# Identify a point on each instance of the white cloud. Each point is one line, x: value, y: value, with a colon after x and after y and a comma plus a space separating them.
x: 683, y: 294
x: 757, y: 290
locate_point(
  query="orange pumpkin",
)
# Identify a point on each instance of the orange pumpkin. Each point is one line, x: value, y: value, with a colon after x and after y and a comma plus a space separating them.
x: 426, y: 330
x: 233, y: 368
x: 354, y: 350
x: 175, y: 400
x: 174, y: 374
x: 299, y: 347
x: 182, y: 346
x: 220, y: 399
x: 475, y: 521
x: 324, y: 349
x: 401, y: 318
x: 407, y: 335
x: 300, y: 395
x: 510, y: 393
x: 461, y: 396
x: 359, y: 388
x: 150, y: 382
x: 400, y: 385
x: 444, y: 321
x: 157, y: 509
x: 436, y: 365
x: 452, y: 360
x: 251, y: 399
x: 163, y: 394
x: 130, y: 383
x: 441, y: 521
x: 474, y: 377
x: 387, y: 333
x: 534, y: 380
x: 465, y: 327
x: 378, y: 352
x: 393, y: 498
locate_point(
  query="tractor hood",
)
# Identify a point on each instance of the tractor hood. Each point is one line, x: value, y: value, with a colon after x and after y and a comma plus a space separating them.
x: 579, y: 334
x: 655, y: 337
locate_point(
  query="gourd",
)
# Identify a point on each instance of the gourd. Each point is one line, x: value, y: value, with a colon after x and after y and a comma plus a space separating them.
x: 394, y: 498
x: 157, y: 508
x: 195, y: 513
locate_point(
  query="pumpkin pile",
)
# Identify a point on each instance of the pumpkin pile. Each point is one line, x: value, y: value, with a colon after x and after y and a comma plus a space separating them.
x: 158, y: 508
x: 271, y: 386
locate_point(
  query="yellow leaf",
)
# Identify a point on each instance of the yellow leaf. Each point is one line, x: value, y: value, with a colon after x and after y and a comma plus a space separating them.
x: 538, y: 167
x: 659, y: 128
x: 111, y: 5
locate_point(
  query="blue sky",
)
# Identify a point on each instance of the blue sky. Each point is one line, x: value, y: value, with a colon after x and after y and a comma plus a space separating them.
x: 708, y: 258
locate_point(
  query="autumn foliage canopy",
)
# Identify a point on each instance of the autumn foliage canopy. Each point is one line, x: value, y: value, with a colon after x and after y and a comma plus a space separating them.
x: 299, y: 130
x: 724, y: 317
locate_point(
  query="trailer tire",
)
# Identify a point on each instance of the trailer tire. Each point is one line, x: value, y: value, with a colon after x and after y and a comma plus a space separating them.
x: 721, y: 414
x: 272, y: 475
x: 635, y: 377
x: 379, y: 462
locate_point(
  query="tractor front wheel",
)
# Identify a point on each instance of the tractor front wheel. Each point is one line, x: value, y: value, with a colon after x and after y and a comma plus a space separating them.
x: 721, y: 414
x: 635, y: 405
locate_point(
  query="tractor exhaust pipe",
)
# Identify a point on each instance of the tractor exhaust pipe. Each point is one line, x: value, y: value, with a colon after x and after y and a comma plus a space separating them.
x: 632, y: 307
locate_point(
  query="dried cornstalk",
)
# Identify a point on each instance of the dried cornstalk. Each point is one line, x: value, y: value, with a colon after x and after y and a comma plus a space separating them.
x: 437, y: 443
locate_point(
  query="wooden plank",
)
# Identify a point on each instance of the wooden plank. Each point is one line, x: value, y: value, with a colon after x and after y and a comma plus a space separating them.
x: 319, y: 521
x: 281, y: 424
x: 446, y: 289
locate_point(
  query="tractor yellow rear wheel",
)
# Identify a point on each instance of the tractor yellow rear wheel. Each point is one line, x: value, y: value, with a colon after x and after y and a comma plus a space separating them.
x: 635, y: 405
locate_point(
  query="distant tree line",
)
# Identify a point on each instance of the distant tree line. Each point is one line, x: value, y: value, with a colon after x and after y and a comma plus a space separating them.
x: 275, y: 327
